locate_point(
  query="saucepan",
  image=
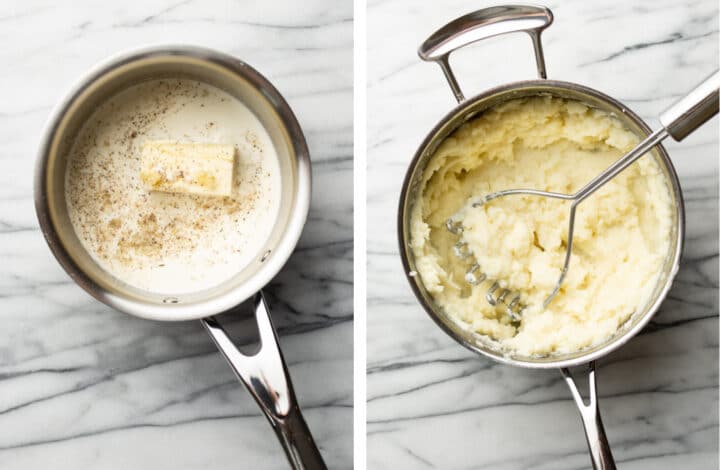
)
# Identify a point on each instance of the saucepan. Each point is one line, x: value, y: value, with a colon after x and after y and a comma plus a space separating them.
x: 533, y: 20
x: 265, y: 373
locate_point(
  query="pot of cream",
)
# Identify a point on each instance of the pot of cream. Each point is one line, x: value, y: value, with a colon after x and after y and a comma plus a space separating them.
x: 226, y: 79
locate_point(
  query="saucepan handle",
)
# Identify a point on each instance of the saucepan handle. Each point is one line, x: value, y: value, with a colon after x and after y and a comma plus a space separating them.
x: 483, y: 24
x: 598, y: 444
x: 266, y: 377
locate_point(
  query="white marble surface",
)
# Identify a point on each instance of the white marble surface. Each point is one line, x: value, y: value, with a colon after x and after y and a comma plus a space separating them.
x: 85, y: 387
x: 432, y: 403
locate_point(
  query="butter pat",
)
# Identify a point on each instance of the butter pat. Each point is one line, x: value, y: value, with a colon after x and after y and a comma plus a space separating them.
x: 189, y: 168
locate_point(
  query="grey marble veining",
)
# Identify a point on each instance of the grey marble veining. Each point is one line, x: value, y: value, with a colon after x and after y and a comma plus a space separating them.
x: 82, y: 386
x: 432, y: 403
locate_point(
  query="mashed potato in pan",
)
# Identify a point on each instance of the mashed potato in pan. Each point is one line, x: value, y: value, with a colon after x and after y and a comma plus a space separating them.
x: 622, y: 232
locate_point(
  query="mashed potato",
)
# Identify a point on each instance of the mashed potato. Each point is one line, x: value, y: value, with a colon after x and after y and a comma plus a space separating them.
x: 622, y: 232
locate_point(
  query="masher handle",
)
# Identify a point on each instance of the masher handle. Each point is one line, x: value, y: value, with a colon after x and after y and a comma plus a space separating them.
x: 692, y: 110
x: 679, y: 120
x: 483, y: 24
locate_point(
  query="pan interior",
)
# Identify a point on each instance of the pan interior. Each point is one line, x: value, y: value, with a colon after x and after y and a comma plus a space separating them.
x: 247, y: 87
x: 413, y: 185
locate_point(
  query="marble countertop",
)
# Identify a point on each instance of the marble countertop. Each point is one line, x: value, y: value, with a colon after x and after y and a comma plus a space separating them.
x: 83, y: 386
x: 432, y: 403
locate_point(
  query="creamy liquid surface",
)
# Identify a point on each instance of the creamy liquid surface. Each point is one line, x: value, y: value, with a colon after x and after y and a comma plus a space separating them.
x: 170, y: 243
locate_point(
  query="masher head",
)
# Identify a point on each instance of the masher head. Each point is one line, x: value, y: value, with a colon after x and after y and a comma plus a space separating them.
x: 497, y: 293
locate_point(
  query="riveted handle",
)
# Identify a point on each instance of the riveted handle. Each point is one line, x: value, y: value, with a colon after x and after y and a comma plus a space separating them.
x: 483, y: 24
x: 266, y: 377
x: 693, y: 109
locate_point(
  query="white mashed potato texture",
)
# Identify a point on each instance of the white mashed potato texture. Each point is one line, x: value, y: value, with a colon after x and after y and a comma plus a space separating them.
x: 622, y: 232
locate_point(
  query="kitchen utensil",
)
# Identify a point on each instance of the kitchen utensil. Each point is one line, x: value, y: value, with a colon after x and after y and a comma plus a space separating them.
x: 678, y: 121
x: 264, y: 374
x: 531, y: 20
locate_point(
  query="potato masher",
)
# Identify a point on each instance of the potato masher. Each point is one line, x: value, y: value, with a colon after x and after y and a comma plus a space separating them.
x: 678, y: 121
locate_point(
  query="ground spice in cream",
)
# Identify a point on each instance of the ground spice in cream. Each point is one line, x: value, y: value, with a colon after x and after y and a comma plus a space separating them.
x: 170, y: 243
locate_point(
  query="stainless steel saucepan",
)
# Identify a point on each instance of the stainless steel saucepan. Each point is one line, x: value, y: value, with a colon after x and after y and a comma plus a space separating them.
x: 533, y: 20
x: 264, y: 374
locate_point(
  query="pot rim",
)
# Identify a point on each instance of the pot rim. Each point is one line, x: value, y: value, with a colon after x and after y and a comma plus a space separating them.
x: 579, y: 358
x: 281, y: 251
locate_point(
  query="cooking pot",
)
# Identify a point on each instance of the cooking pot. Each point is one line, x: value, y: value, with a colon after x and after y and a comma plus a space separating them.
x: 265, y: 373
x: 532, y: 20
